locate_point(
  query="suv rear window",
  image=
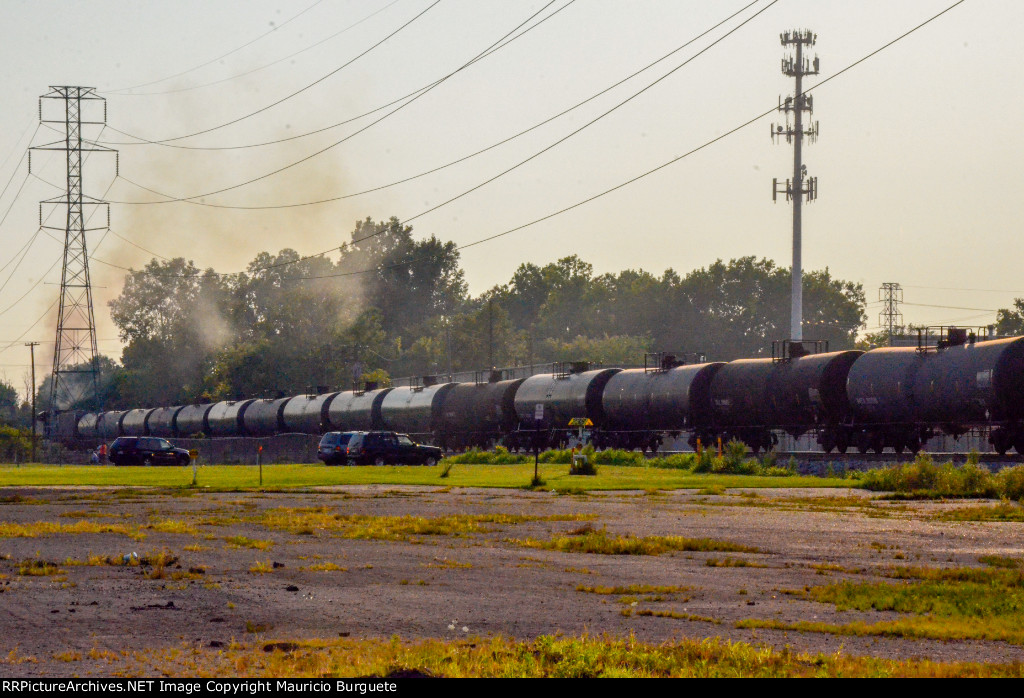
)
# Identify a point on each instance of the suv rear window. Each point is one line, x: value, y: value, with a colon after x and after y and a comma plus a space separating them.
x: 336, y: 438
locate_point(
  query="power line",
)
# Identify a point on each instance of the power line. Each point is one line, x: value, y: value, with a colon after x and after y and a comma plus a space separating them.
x: 300, y: 90
x: 262, y: 67
x: 218, y: 58
x: 336, y: 143
x: 610, y: 190
x: 453, y: 162
x: 494, y: 48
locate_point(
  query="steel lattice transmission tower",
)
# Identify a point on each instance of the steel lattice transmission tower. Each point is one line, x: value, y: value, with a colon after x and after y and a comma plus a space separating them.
x: 891, y: 295
x: 800, y: 186
x: 75, y: 377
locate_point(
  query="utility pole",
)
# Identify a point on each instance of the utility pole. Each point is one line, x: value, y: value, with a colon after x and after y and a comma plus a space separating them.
x: 800, y: 185
x: 32, y: 349
x: 490, y: 333
x: 891, y: 295
x: 75, y: 378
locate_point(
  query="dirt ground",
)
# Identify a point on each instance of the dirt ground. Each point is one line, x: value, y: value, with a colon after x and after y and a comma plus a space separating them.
x: 478, y: 583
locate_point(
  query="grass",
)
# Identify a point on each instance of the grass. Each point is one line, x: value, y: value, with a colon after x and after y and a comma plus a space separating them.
x: 1003, y: 511
x: 964, y: 603
x: 38, y: 568
x: 632, y: 589
x: 327, y: 567
x: 324, y: 519
x: 601, y: 543
x: 244, y: 542
x: 548, y: 657
x: 40, y: 529
x: 923, y: 479
x: 283, y: 477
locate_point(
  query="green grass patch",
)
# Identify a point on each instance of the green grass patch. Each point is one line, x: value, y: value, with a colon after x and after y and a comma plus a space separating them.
x: 964, y: 603
x: 39, y: 529
x: 283, y: 477
x: 357, y: 526
x: 923, y: 479
x: 601, y: 543
x: 632, y: 589
x: 1004, y: 511
x: 547, y: 657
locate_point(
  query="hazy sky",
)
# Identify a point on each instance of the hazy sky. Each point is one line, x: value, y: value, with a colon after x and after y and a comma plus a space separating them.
x: 917, y: 158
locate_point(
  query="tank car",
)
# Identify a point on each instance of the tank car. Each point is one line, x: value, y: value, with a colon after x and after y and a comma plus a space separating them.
x: 416, y: 411
x: 108, y: 425
x: 880, y: 392
x: 307, y: 414
x: 84, y: 426
x: 479, y: 414
x: 640, y: 404
x: 357, y: 410
x: 962, y: 385
x: 134, y: 422
x: 160, y: 421
x: 564, y: 396
x: 809, y: 391
x: 191, y: 420
x: 225, y: 418
x: 264, y: 417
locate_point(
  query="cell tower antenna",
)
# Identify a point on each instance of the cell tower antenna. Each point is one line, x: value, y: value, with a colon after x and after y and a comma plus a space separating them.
x: 75, y: 377
x: 891, y: 296
x: 800, y: 186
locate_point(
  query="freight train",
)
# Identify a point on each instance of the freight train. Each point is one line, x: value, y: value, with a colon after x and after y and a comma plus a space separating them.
x: 894, y: 397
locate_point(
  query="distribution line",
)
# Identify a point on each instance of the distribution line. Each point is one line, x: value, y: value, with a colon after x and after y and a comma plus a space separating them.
x: 453, y: 162
x: 262, y: 67
x: 300, y: 90
x: 494, y: 48
x: 218, y: 58
x: 622, y: 185
x: 336, y: 143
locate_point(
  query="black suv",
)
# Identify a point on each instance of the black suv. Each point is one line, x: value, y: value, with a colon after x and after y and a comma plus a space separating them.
x: 333, y: 449
x: 389, y: 448
x: 146, y: 450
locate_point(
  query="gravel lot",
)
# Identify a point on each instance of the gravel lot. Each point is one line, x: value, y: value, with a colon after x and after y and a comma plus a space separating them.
x: 450, y: 586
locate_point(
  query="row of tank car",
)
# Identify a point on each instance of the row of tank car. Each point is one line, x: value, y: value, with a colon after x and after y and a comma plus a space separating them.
x: 895, y: 397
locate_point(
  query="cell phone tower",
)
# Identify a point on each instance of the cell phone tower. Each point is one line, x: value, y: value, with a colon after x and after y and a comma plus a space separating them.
x: 800, y: 186
x: 75, y: 378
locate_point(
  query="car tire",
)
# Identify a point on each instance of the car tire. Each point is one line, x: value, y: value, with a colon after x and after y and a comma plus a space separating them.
x: 148, y: 460
x: 430, y: 461
x: 183, y: 460
x: 379, y: 460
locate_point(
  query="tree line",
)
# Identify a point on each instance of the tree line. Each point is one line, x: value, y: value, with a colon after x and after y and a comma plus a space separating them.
x: 387, y: 305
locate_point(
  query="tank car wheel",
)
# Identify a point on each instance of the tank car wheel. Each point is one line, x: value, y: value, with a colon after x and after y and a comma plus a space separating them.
x: 378, y: 461
x: 1018, y: 444
x: 842, y: 442
x: 877, y: 443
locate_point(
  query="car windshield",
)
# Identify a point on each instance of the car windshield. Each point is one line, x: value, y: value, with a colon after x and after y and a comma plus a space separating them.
x: 164, y: 445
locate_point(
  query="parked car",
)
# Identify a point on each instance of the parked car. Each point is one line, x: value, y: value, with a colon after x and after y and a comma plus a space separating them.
x: 146, y: 450
x: 389, y: 448
x: 333, y: 449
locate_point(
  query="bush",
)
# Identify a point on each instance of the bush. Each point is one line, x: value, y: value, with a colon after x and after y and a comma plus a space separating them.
x: 925, y: 478
x: 1010, y: 482
x: 677, y: 461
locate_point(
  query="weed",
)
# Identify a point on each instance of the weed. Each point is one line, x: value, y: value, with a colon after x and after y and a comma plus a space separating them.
x: 599, y: 542
x: 243, y: 542
x: 261, y: 567
x: 38, y: 568
x: 632, y: 589
x: 327, y: 567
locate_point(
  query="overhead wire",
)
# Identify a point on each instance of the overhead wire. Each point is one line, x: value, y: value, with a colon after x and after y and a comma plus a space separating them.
x: 262, y: 67
x: 494, y: 48
x: 338, y: 142
x: 458, y: 160
x: 301, y: 89
x: 627, y: 182
x: 220, y: 57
